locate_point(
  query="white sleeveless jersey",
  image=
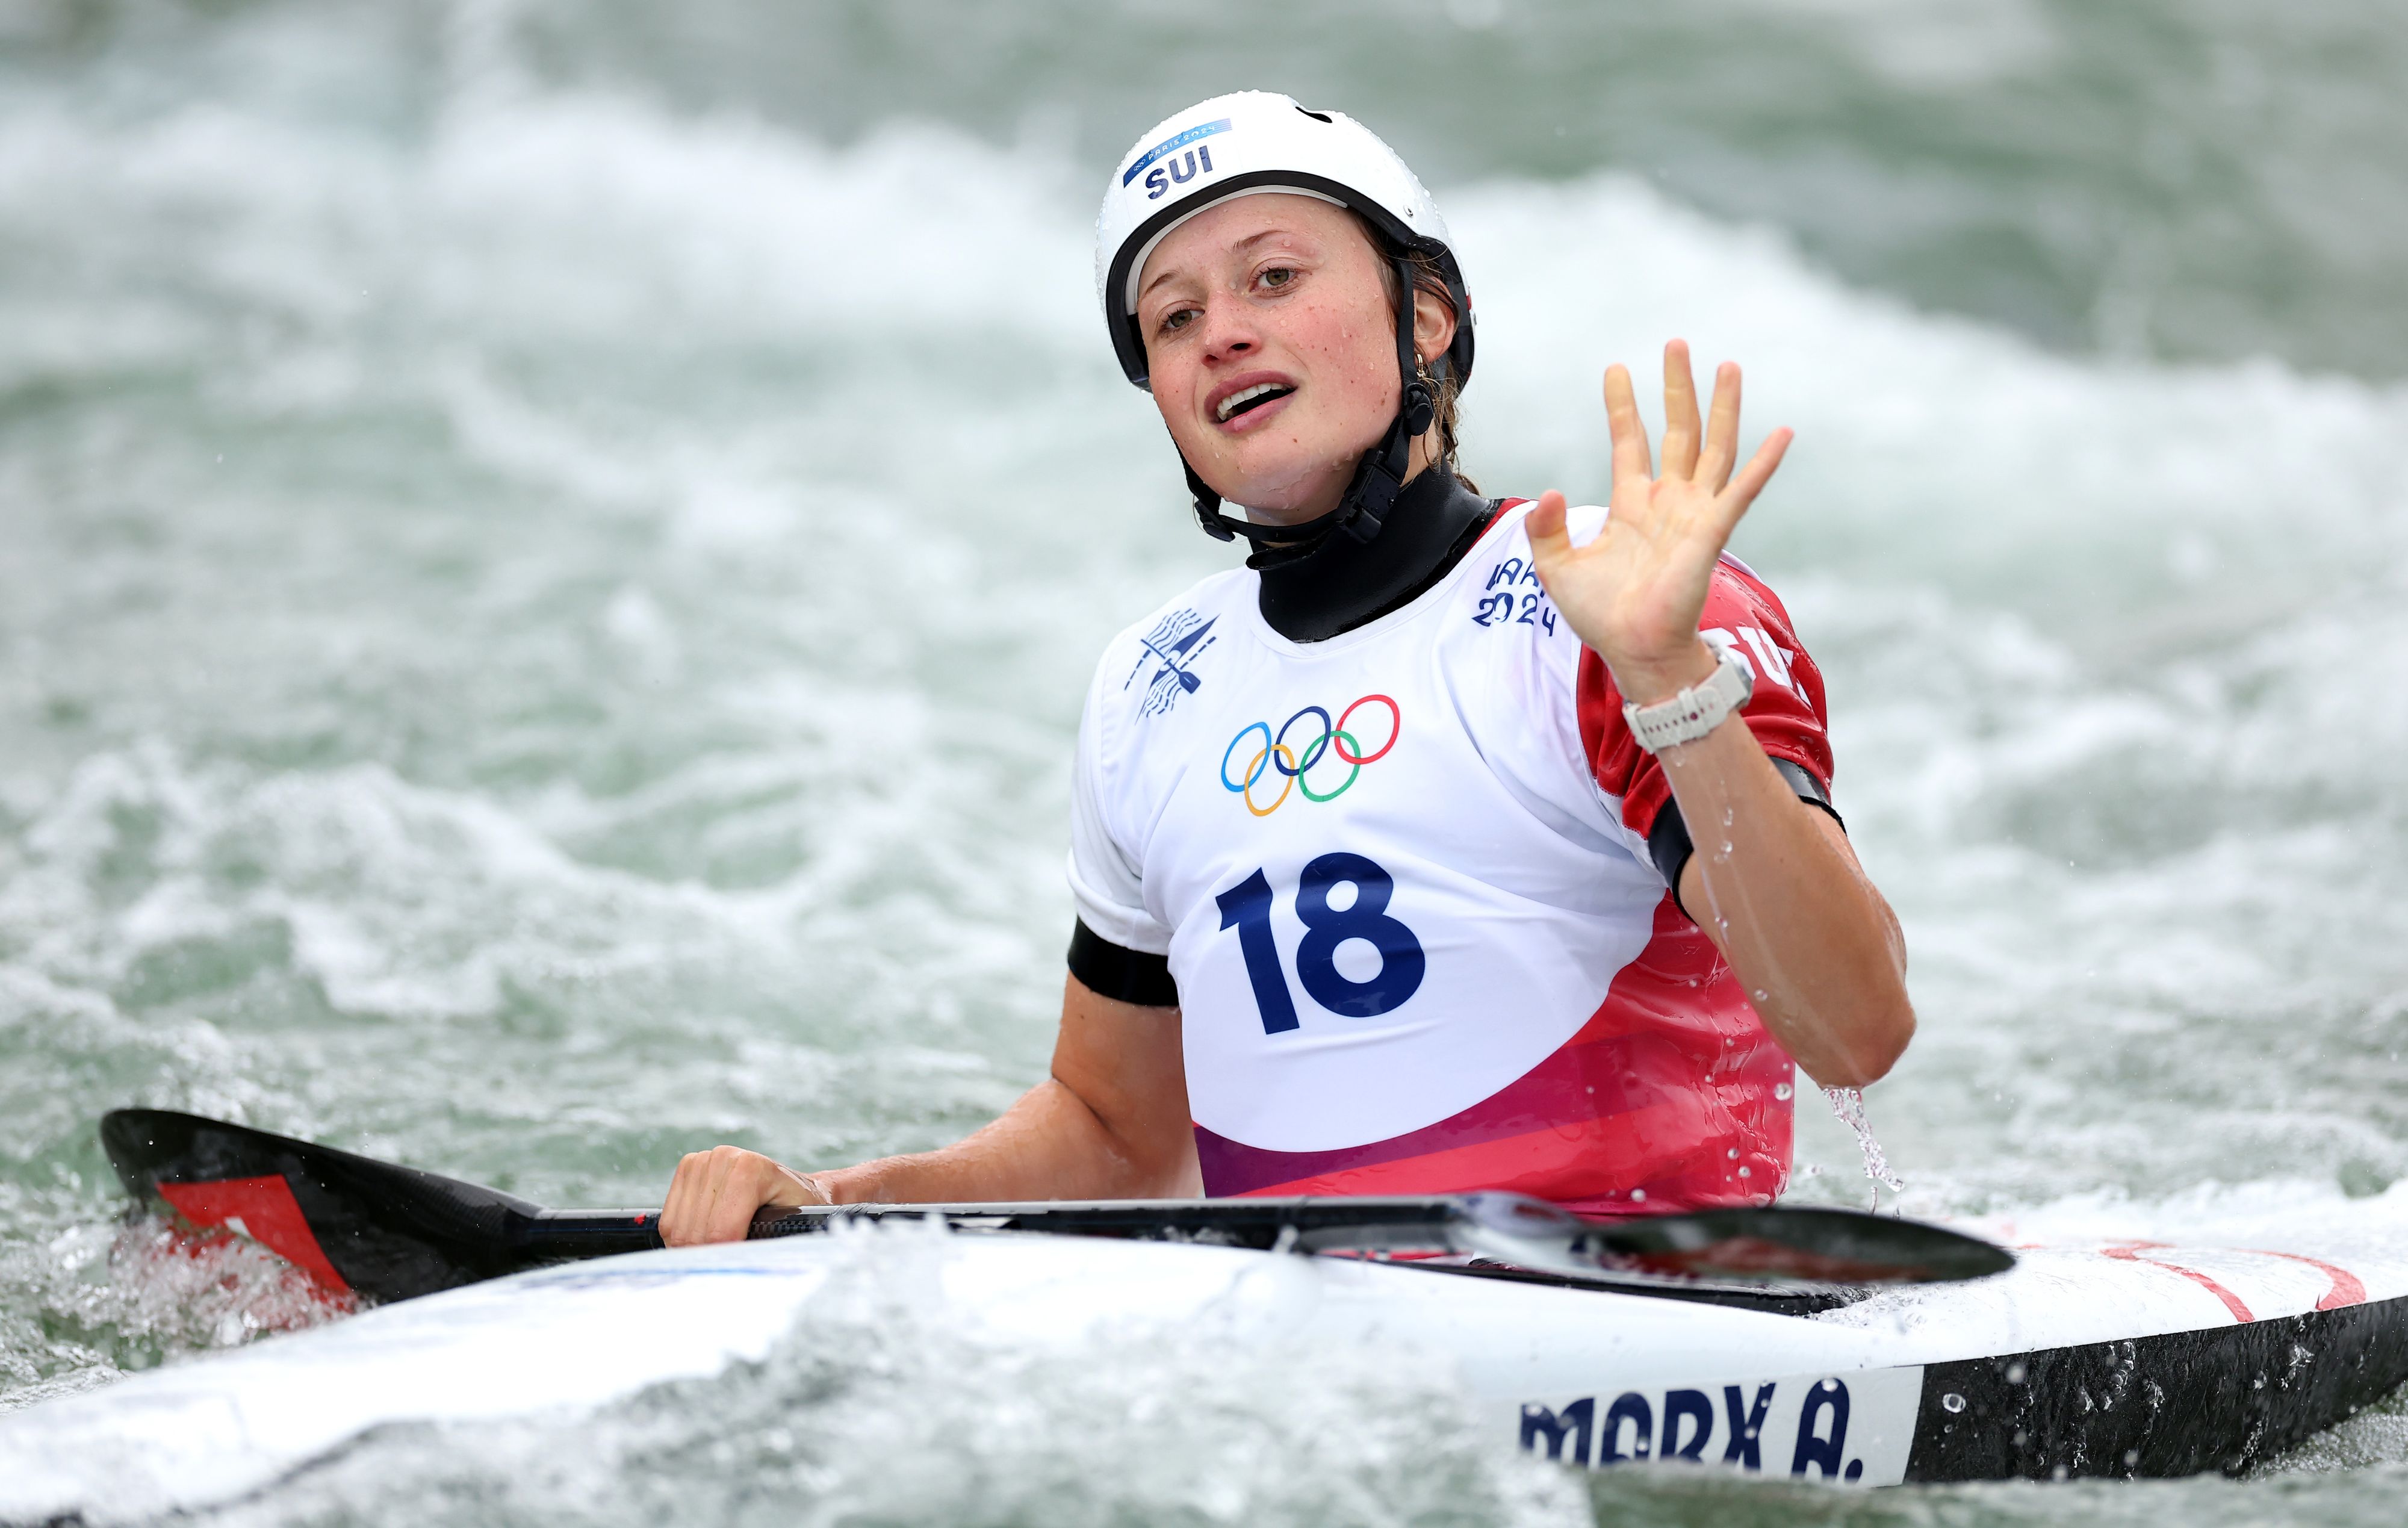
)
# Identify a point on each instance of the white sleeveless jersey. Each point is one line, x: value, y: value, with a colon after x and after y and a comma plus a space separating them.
x: 1391, y: 888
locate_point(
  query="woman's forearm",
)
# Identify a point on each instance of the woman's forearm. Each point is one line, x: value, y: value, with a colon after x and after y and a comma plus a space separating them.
x: 1048, y: 1145
x: 1110, y: 1122
x: 1774, y: 885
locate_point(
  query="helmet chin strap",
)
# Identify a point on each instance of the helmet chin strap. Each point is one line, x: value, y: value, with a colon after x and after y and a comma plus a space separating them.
x: 1379, y: 477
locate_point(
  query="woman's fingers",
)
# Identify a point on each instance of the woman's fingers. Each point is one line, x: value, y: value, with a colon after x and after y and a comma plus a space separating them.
x: 713, y: 1194
x: 1629, y: 434
x: 1733, y: 502
x: 1680, y: 411
x: 737, y: 1178
x: 1550, y: 541
x: 1722, y: 430
x: 679, y: 1212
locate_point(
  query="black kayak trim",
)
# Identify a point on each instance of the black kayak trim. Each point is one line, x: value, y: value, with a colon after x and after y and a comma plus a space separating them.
x: 2222, y: 1398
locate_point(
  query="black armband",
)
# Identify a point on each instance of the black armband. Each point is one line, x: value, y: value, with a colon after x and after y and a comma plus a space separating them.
x: 1123, y: 975
x: 1667, y: 841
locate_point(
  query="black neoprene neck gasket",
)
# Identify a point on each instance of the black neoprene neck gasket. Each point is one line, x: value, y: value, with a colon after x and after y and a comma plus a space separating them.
x: 1314, y: 590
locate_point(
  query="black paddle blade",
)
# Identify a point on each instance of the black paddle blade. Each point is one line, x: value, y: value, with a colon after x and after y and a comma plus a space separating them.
x: 352, y: 1223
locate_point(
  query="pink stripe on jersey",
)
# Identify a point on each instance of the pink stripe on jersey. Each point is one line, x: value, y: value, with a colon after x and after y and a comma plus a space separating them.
x: 1671, y: 1088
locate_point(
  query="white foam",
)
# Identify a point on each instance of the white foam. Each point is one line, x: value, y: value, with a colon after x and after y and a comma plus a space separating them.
x: 629, y: 655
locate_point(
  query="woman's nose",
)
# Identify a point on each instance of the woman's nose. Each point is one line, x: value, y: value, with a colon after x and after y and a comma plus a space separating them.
x: 1228, y: 330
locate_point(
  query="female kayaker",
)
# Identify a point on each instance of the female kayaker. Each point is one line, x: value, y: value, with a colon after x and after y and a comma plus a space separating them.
x: 1452, y: 843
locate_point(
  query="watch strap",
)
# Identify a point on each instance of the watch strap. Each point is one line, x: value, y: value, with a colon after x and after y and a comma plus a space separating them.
x: 1697, y: 710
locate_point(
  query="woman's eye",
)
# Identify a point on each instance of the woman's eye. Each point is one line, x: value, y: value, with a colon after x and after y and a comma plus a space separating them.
x: 1277, y: 277
x: 1177, y: 319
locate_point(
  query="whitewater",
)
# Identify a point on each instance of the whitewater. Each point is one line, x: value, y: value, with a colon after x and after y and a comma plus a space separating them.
x: 544, y: 629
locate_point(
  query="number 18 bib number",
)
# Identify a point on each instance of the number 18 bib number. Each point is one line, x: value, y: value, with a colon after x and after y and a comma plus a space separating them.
x: 1247, y: 908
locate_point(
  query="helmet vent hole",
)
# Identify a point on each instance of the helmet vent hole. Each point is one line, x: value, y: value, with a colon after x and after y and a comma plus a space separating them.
x: 1316, y: 116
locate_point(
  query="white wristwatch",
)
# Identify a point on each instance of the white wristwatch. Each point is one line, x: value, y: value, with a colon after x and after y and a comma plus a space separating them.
x: 1698, y: 710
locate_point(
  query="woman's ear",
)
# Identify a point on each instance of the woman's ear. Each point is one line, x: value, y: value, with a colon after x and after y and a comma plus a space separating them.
x: 1433, y: 325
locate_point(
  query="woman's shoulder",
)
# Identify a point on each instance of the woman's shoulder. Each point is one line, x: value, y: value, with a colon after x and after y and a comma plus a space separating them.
x: 1154, y: 660
x: 1213, y: 594
x: 1178, y: 626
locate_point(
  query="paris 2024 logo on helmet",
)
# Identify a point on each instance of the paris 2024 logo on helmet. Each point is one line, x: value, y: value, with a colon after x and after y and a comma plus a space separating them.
x: 1164, y: 167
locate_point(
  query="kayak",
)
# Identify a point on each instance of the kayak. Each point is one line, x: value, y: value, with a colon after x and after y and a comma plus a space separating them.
x: 2090, y: 1356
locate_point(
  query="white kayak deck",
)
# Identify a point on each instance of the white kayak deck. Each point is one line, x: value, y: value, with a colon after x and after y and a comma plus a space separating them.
x: 1576, y: 1373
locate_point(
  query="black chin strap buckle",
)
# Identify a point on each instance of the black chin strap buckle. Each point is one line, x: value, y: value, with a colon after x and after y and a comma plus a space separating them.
x: 1378, y: 480
x: 1208, y: 506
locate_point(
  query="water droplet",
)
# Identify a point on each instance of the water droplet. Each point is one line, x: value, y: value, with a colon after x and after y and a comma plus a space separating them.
x: 1762, y: 996
x: 1745, y: 1173
x: 2014, y: 1373
x: 1849, y: 1105
x: 1782, y: 1091
x: 1952, y: 1401
x: 1733, y: 1153
x: 1639, y: 1196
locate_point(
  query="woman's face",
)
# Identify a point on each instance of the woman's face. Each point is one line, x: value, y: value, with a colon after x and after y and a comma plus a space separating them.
x: 1272, y: 349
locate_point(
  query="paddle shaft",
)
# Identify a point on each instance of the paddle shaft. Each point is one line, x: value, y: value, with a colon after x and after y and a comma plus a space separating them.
x: 391, y: 1232
x: 1358, y: 1224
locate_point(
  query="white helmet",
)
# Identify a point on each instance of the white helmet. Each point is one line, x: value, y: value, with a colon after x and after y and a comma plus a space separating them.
x: 1256, y: 141
x: 1243, y: 144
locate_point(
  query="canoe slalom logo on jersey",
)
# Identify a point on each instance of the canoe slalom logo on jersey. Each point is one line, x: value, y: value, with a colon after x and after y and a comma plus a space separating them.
x: 1309, y: 765
x: 1174, y: 645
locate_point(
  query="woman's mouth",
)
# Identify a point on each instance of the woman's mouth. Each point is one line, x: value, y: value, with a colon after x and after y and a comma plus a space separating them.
x: 1246, y: 399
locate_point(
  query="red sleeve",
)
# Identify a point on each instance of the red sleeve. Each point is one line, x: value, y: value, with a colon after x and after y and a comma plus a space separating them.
x: 1786, y: 712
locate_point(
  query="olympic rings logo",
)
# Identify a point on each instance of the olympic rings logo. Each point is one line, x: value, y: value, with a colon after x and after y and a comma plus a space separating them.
x: 1333, y: 741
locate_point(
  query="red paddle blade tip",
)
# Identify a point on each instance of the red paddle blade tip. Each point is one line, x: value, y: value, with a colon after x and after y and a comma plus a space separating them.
x: 263, y: 1209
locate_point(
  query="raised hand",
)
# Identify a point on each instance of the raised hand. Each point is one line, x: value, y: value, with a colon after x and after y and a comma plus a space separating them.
x: 1635, y: 593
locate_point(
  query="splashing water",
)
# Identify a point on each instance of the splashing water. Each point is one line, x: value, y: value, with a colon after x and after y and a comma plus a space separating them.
x: 453, y: 625
x: 1849, y: 1105
x: 129, y: 1296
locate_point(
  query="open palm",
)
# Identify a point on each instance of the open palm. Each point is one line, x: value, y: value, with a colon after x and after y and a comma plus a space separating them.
x: 1636, y: 592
